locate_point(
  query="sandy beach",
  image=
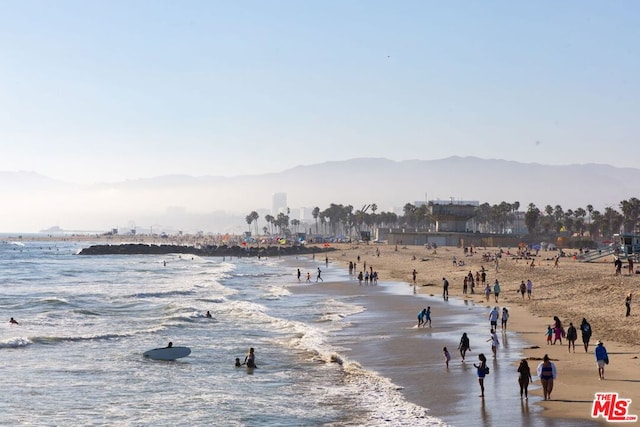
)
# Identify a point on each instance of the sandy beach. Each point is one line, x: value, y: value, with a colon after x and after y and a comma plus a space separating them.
x: 571, y: 290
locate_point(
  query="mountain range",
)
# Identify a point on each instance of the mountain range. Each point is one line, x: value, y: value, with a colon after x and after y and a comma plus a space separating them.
x: 219, y: 204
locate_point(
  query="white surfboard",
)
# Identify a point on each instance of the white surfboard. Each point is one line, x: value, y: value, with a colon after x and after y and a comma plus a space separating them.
x: 167, y: 353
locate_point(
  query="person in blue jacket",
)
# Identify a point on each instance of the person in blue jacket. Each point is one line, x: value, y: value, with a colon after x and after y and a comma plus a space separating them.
x: 602, y: 358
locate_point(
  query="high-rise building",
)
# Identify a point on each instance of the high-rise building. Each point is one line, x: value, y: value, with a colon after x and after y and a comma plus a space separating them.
x: 279, y: 203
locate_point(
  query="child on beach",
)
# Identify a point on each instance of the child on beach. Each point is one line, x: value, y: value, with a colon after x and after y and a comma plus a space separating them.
x: 447, y: 356
x: 495, y: 342
x: 549, y: 335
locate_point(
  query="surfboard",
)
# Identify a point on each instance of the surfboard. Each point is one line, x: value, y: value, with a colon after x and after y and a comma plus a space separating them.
x: 167, y: 353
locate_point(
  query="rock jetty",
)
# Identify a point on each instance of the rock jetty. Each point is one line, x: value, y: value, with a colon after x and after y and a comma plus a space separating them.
x: 208, y: 250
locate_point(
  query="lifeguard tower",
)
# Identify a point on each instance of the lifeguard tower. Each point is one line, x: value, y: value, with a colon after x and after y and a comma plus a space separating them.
x: 629, y: 245
x: 624, y: 246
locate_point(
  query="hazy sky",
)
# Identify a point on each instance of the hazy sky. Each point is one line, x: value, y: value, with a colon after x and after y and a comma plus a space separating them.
x: 109, y: 90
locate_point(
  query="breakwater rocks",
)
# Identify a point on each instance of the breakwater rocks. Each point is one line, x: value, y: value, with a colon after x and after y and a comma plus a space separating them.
x: 208, y: 250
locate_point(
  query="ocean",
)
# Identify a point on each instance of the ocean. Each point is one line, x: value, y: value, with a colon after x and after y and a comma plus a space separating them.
x: 84, y: 321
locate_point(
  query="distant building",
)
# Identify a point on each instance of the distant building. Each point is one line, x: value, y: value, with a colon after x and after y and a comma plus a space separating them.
x: 452, y: 216
x: 279, y: 203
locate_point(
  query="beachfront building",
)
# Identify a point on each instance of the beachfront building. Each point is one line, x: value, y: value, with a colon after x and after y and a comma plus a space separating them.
x: 454, y: 226
x: 452, y: 216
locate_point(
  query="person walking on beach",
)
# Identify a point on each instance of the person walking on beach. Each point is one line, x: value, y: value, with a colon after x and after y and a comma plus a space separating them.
x: 602, y: 358
x: 445, y: 288
x: 447, y: 356
x: 493, y: 318
x: 464, y: 345
x: 572, y: 336
x: 487, y: 292
x: 421, y: 314
x: 299, y: 274
x: 504, y: 318
x: 585, y: 328
x: 549, y: 335
x: 529, y: 288
x: 524, y: 378
x: 558, y: 330
x: 627, y: 303
x: 618, y: 265
x: 496, y: 290
x: 481, y: 369
x: 523, y: 288
x: 495, y: 342
x: 473, y: 284
x: 415, y: 273
x: 319, y: 276
x: 427, y: 317
x: 308, y: 277
x: 547, y: 373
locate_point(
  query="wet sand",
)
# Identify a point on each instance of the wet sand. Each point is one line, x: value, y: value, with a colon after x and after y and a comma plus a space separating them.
x: 385, y: 339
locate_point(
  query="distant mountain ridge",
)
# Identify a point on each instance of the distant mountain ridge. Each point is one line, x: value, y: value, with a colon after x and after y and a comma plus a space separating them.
x: 179, y: 199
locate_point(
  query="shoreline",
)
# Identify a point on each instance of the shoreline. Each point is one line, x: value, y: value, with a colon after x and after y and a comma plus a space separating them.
x: 572, y: 291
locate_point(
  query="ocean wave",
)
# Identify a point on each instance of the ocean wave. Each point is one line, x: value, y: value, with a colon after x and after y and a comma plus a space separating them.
x: 161, y: 294
x: 52, y: 340
x: 220, y: 300
x: 16, y: 342
x: 384, y: 401
x: 86, y: 312
x: 60, y: 339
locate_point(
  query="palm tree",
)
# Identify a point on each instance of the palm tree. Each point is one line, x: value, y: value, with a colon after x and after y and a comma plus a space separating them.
x: 531, y: 218
x: 270, y: 220
x: 631, y: 211
x: 316, y: 212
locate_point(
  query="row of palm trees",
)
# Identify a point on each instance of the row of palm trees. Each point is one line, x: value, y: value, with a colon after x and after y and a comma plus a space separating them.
x: 498, y: 218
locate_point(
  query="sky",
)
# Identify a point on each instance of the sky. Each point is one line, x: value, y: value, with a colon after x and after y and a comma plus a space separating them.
x: 116, y: 90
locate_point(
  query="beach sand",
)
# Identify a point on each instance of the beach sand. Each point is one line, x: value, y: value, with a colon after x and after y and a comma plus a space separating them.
x: 571, y: 291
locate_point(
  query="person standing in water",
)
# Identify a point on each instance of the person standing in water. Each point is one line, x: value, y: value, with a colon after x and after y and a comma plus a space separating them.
x: 447, y: 356
x: 464, y: 345
x: 481, y: 369
x: 524, y: 378
x: 250, y: 359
